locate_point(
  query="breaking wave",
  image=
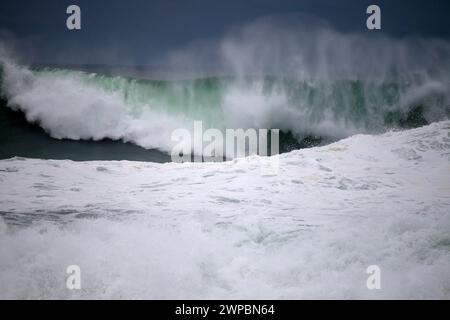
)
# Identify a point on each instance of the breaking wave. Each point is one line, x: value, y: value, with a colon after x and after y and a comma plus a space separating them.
x: 324, y: 87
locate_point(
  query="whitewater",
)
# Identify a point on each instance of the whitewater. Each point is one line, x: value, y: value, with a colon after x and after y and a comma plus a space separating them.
x: 230, y: 230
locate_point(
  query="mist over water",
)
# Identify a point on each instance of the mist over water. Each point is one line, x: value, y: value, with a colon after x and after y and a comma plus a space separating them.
x: 308, y: 80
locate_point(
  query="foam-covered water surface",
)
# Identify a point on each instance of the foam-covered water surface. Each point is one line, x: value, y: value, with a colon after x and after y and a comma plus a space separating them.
x: 231, y: 230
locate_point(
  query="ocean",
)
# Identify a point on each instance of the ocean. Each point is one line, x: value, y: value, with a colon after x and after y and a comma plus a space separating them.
x: 362, y: 179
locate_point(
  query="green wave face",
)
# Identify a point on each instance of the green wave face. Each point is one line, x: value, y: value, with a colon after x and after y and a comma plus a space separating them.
x: 363, y: 105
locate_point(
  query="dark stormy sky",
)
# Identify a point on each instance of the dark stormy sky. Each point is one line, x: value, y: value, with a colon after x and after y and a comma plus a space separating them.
x: 144, y: 31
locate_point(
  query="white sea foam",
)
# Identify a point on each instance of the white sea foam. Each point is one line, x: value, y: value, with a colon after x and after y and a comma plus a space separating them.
x: 224, y: 230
